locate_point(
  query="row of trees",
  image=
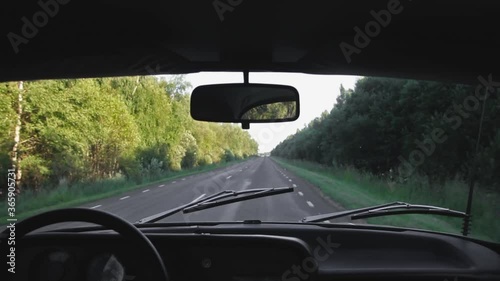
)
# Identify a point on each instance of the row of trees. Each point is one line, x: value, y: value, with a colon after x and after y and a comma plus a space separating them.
x: 91, y: 129
x: 405, y: 127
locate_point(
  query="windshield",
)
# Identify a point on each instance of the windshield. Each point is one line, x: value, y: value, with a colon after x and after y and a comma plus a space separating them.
x: 129, y: 146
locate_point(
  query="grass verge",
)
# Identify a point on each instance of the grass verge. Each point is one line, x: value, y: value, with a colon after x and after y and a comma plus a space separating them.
x: 31, y: 203
x: 353, y: 189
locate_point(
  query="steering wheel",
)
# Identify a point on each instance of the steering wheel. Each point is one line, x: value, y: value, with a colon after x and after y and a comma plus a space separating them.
x: 124, y: 228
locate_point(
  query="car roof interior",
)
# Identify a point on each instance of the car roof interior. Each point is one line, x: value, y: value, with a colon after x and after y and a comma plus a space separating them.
x: 431, y: 40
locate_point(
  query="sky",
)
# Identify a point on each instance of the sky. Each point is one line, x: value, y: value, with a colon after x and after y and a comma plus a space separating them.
x: 317, y: 94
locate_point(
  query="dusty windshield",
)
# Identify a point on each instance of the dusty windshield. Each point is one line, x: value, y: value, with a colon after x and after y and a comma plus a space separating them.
x: 128, y: 146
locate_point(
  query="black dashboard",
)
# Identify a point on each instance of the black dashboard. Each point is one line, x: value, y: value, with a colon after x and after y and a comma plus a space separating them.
x: 282, y: 252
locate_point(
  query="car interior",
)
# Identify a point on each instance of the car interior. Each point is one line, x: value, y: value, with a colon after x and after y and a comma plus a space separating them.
x: 447, y: 41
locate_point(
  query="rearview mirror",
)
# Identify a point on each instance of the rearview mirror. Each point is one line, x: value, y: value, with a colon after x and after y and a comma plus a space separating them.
x: 245, y: 103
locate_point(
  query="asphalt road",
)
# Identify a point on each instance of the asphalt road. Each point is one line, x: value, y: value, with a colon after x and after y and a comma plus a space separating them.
x: 260, y: 172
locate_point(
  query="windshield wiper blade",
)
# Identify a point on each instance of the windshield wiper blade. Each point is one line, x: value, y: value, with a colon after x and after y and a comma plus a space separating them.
x: 335, y: 215
x: 252, y: 193
x: 409, y: 209
x: 217, y: 199
x: 394, y: 208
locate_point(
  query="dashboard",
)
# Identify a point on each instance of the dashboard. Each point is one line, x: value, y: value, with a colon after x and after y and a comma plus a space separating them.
x: 268, y: 252
x: 187, y: 257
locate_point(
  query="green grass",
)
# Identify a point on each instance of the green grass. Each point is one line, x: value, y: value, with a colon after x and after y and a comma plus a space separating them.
x: 30, y: 203
x: 354, y: 189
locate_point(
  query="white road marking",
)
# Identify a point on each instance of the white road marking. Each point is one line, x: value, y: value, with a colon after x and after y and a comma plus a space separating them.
x: 123, y: 198
x: 290, y: 180
x: 184, y: 179
x: 198, y: 198
x: 174, y: 182
x: 310, y: 204
x: 161, y: 185
x: 301, y: 194
x: 145, y: 190
x: 294, y: 185
x: 228, y: 177
x: 96, y: 206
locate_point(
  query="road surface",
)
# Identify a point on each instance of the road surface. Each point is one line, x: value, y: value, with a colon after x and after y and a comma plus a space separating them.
x: 260, y: 172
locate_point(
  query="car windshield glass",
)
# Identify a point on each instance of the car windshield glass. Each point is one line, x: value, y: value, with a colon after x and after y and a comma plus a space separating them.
x: 128, y: 145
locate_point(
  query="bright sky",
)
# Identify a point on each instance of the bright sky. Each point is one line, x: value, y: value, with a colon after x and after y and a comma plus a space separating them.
x: 317, y: 94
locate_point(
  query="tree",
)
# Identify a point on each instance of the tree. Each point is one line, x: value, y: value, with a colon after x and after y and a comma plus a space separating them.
x: 78, y: 130
x: 382, y: 121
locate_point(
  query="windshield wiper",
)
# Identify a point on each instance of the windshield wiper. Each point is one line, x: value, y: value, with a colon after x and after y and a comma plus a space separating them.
x: 218, y: 199
x: 389, y: 209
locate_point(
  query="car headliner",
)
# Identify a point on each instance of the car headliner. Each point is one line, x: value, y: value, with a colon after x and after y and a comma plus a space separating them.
x: 432, y: 40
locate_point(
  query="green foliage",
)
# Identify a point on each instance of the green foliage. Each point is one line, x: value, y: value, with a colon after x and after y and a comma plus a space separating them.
x: 360, y: 153
x: 277, y: 110
x: 77, y: 128
x: 8, y: 94
x: 90, y: 130
x: 354, y: 189
x: 36, y: 170
x: 228, y: 156
x: 378, y: 126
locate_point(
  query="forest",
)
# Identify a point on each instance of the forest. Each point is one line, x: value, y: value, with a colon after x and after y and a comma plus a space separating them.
x: 63, y: 132
x: 396, y: 129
